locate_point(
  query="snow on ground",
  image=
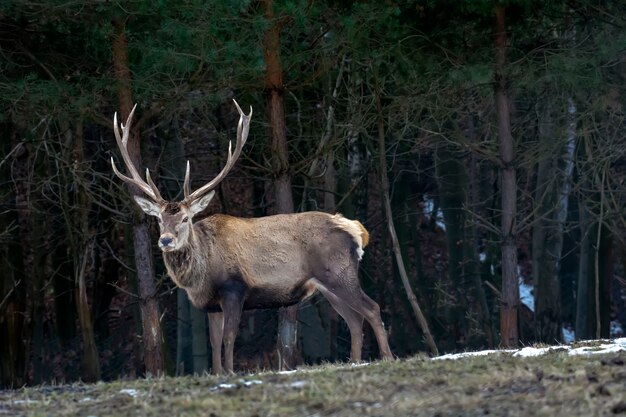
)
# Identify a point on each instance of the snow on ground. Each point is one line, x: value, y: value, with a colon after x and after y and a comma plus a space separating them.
x: 590, y: 347
x: 129, y: 391
x: 239, y: 383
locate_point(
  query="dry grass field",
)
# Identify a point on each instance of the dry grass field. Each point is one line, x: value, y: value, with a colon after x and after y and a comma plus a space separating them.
x: 555, y: 383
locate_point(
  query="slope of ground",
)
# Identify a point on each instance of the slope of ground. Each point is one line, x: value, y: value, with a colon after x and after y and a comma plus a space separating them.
x: 562, y: 381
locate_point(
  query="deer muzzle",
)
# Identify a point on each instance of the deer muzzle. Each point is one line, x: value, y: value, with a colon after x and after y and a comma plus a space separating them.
x: 167, y: 242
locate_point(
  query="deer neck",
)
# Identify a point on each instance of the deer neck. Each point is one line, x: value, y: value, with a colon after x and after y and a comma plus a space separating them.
x: 181, y: 263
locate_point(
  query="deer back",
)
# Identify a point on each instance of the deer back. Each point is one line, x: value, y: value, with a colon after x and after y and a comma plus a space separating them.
x: 271, y: 258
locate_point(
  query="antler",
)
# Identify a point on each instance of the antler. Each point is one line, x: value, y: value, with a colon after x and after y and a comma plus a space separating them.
x: 242, y: 134
x: 149, y: 188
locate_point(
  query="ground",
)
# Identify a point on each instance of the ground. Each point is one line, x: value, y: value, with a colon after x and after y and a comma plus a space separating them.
x: 580, y: 380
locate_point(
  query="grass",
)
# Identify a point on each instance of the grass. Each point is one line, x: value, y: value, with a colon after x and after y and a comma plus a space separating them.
x: 555, y: 384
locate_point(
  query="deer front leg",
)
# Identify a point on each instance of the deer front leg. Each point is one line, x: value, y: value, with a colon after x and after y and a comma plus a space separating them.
x: 232, y: 305
x: 216, y: 331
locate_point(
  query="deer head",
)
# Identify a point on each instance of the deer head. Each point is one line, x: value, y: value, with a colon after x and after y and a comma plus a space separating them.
x: 175, y: 218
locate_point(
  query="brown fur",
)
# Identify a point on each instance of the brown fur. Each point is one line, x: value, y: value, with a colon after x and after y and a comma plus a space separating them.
x: 228, y: 264
x: 172, y: 208
x: 270, y: 262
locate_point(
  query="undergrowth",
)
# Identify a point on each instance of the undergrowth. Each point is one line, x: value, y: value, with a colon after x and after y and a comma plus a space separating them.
x: 501, y: 385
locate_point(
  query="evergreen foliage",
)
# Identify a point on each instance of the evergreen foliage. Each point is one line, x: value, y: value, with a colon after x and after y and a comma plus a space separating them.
x: 432, y: 65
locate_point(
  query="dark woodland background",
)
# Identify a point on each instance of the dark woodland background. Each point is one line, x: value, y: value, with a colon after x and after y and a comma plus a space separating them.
x: 482, y: 143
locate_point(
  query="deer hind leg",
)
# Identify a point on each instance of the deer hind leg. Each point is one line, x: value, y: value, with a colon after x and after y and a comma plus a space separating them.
x: 358, y: 301
x: 352, y: 318
x: 371, y: 311
x: 216, y: 331
x: 341, y: 279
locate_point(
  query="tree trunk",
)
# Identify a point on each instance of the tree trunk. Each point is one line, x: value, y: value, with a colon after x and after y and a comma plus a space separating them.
x: 510, y: 290
x: 184, y: 355
x: 548, y: 305
x: 288, y: 316
x: 596, y: 251
x: 548, y: 316
x: 24, y: 312
x: 83, y: 255
x: 199, y: 345
x: 593, y: 299
x: 473, y: 247
x: 604, y: 275
x: 64, y: 303
x: 91, y: 361
x: 545, y: 262
x: 15, y: 327
x: 452, y: 183
x: 382, y: 150
x: 585, y: 294
x: 151, y: 326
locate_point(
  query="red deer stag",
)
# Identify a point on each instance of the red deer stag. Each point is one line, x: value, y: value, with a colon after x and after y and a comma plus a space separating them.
x: 227, y: 264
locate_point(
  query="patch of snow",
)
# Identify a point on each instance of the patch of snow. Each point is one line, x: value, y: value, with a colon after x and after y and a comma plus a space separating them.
x: 287, y: 372
x: 620, y: 341
x: 616, y: 329
x: 130, y: 391
x: 356, y: 365
x: 360, y: 404
x: 298, y: 384
x: 482, y: 257
x: 251, y: 382
x: 468, y: 354
x: 617, y: 345
x: 240, y: 383
x: 225, y: 386
x: 85, y: 400
x: 25, y: 402
x: 529, y: 351
x: 525, y: 291
x: 429, y: 207
x: 568, y: 335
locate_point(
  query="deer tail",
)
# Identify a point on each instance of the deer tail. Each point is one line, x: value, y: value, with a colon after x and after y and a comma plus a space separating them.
x: 358, y: 232
x: 365, y: 236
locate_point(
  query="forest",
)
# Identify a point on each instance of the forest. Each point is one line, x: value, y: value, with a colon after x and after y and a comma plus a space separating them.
x: 481, y: 143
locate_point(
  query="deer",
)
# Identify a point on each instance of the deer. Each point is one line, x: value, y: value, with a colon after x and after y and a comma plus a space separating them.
x: 228, y: 264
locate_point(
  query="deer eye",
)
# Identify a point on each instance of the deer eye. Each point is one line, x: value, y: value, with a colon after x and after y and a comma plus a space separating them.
x: 185, y: 219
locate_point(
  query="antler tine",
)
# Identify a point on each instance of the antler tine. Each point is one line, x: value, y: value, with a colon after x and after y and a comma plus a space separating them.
x: 148, y: 188
x: 186, y: 187
x: 243, y: 128
x: 153, y: 186
x: 140, y: 184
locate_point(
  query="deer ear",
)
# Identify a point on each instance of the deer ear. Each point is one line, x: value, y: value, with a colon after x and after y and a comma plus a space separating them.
x: 148, y: 206
x: 198, y: 205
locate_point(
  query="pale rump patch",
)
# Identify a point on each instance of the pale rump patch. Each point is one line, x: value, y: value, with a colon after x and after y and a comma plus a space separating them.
x: 355, y: 229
